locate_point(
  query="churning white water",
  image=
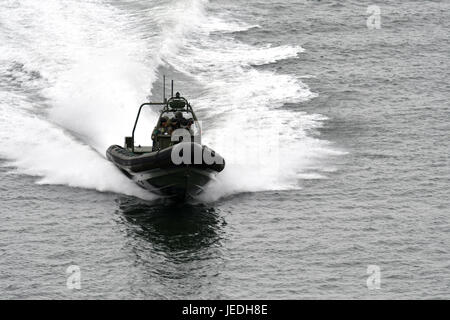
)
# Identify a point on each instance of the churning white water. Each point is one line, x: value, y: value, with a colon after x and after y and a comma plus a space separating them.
x: 74, y: 74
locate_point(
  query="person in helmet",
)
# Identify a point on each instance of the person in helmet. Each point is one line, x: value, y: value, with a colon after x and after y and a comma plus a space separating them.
x: 178, y: 121
x: 164, y: 128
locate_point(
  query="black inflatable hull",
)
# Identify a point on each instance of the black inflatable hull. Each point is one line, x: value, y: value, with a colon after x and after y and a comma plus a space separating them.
x: 156, y: 172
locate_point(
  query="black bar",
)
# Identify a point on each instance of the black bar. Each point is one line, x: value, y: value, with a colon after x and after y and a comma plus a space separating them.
x: 232, y: 309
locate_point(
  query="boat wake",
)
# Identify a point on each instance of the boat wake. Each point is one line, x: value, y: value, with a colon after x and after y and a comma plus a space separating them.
x: 73, y: 73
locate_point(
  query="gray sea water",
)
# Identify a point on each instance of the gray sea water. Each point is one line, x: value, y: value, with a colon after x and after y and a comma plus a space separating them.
x: 360, y: 183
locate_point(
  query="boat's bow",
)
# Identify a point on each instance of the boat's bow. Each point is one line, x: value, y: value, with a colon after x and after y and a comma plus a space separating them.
x: 157, y: 172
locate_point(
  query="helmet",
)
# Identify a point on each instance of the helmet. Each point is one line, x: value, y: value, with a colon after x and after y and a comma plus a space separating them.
x: 184, y: 122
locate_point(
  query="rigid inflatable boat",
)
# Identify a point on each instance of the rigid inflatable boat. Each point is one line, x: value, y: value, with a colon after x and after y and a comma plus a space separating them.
x: 177, y: 164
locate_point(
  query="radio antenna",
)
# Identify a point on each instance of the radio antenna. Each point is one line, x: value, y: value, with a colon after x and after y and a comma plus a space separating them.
x: 164, y: 88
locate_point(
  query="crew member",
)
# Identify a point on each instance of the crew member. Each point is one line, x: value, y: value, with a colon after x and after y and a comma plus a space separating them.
x: 178, y: 121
